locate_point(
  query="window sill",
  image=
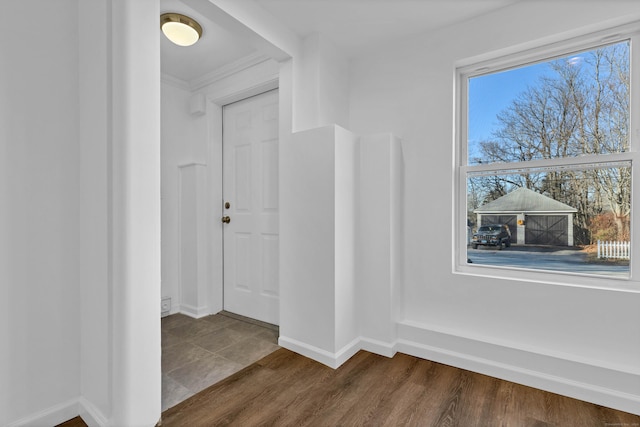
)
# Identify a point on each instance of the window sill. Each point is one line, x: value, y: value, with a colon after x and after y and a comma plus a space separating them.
x: 546, y: 277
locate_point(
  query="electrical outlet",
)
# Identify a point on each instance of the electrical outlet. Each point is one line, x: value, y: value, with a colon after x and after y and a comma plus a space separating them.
x: 165, y: 306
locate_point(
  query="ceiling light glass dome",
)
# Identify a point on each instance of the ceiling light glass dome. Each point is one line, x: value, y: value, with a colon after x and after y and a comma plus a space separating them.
x: 180, y: 29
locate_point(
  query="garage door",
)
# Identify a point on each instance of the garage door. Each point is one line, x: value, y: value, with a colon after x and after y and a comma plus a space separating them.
x: 546, y: 230
x: 510, y: 220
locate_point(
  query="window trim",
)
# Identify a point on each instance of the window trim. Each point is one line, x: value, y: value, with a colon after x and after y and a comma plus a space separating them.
x: 493, y: 63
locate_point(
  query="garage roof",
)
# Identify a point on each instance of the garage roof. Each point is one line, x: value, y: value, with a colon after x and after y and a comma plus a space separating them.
x: 524, y: 200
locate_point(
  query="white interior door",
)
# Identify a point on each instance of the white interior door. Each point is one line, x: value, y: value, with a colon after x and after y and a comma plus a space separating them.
x: 250, y: 191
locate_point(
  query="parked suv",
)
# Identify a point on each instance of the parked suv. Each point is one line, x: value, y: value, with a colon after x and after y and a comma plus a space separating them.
x: 492, y: 235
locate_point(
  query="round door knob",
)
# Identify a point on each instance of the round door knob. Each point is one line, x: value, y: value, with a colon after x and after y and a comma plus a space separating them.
x: 226, y: 219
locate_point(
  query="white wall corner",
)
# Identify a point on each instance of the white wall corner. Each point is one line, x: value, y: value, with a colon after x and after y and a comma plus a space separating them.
x: 90, y: 414
x: 332, y: 360
x: 381, y: 348
x: 347, y: 352
x: 323, y: 85
x: 380, y: 242
x: 354, y: 194
x: 65, y: 411
x: 195, y: 312
x: 345, y: 216
x: 51, y: 416
x: 193, y: 267
x: 175, y: 82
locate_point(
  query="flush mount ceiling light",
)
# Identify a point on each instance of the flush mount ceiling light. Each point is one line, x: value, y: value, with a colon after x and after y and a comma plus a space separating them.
x: 180, y: 29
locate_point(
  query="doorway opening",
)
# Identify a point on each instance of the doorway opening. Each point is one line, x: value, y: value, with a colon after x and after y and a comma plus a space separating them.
x: 198, y: 352
x: 202, y: 333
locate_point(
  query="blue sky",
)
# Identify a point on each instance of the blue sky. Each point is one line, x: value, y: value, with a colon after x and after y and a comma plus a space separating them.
x: 492, y: 93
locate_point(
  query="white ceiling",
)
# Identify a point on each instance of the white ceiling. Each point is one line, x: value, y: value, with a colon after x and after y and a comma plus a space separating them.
x: 356, y: 25
x: 353, y: 25
x: 216, y: 48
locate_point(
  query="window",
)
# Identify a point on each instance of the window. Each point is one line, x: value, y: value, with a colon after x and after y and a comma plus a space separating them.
x: 545, y: 162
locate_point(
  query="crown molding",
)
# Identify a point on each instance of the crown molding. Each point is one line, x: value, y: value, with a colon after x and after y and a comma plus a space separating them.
x: 227, y: 70
x: 217, y: 74
x: 174, y: 81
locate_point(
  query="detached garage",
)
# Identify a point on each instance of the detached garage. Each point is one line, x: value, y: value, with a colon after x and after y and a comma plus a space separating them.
x: 533, y: 218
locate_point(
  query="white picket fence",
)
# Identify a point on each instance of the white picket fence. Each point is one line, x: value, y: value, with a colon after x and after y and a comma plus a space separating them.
x: 619, y: 250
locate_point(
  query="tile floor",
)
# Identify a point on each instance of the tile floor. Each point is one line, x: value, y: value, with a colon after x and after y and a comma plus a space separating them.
x: 197, y: 353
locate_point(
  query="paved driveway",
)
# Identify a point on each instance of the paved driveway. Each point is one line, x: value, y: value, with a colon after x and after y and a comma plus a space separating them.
x: 543, y: 258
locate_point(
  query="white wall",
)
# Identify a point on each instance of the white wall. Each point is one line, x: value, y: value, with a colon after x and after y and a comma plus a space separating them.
x: 80, y: 221
x: 318, y: 200
x: 134, y: 191
x: 308, y: 239
x: 333, y: 85
x: 39, y: 200
x: 379, y: 256
x: 346, y: 202
x: 193, y: 240
x: 183, y: 141
x: 407, y: 88
x: 322, y: 95
x: 94, y: 230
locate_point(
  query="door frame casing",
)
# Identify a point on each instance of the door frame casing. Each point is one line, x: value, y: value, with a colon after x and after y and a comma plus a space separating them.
x: 215, y: 104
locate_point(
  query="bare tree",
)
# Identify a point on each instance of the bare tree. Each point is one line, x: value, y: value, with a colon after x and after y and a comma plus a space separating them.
x: 582, y: 107
x: 606, y: 126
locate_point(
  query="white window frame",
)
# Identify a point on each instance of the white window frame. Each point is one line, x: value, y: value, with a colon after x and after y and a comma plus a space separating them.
x: 543, y: 53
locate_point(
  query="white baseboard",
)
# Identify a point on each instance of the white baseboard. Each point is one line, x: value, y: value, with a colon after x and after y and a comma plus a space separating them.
x: 614, y: 387
x: 195, y: 312
x: 51, y: 416
x: 332, y: 360
x: 62, y: 412
x: 91, y: 415
x: 347, y: 352
x: 378, y: 347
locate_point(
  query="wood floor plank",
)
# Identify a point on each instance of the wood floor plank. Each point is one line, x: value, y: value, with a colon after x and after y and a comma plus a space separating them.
x: 286, y: 389
x: 399, y: 408
x: 480, y: 393
x: 74, y: 422
x: 383, y: 405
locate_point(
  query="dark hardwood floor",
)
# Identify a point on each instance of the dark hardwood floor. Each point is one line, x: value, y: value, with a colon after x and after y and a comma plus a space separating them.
x: 285, y: 389
x: 74, y: 422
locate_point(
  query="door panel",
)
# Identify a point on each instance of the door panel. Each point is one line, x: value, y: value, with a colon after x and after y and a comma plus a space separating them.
x: 270, y: 175
x: 250, y: 185
x: 546, y: 230
x: 270, y: 260
x: 242, y: 193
